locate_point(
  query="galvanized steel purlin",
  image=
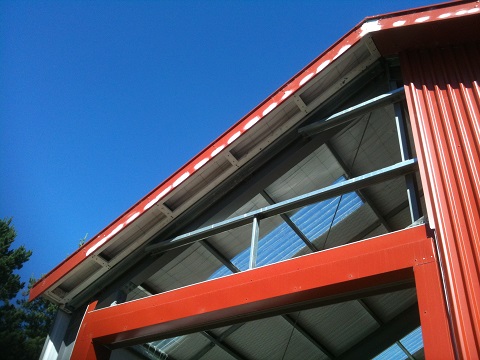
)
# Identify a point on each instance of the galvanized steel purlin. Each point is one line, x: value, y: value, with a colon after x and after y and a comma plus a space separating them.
x: 353, y: 112
x: 404, y: 18
x: 338, y: 189
x: 443, y: 97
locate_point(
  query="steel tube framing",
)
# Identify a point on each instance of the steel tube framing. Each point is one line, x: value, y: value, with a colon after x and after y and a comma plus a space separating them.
x: 221, y: 338
x: 385, y: 336
x: 291, y: 224
x: 213, y: 339
x: 382, y: 324
x: 405, y: 153
x: 254, y: 243
x: 287, y: 317
x: 361, y: 194
x: 293, y: 284
x: 353, y: 112
x: 309, y: 337
x: 222, y: 258
x: 354, y: 184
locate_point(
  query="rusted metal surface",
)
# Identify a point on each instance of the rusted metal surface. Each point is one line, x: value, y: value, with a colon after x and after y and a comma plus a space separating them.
x: 443, y: 97
x: 367, y: 264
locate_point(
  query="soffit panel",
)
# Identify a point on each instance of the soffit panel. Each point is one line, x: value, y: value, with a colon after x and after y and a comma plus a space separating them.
x: 195, y: 265
x: 389, y: 305
x: 338, y: 326
x: 268, y: 339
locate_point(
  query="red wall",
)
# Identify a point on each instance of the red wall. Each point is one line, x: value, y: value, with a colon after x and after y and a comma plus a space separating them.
x: 443, y: 97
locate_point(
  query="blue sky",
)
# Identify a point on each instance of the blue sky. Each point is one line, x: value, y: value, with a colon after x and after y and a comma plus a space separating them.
x: 100, y: 101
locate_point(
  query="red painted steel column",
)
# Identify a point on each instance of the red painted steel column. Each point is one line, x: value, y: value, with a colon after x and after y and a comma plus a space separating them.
x: 433, y: 313
x: 443, y: 97
x: 84, y: 348
x: 372, y: 263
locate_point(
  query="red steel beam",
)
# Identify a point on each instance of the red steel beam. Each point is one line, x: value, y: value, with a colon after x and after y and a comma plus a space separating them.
x: 347, y: 269
x: 84, y: 346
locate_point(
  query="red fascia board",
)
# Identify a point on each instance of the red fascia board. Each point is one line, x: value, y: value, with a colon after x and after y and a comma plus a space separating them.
x: 453, y: 30
x: 426, y: 8
x: 379, y: 261
x: 383, y: 22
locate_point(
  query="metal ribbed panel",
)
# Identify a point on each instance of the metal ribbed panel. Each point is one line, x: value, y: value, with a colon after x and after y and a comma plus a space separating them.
x: 443, y: 97
x: 339, y: 326
x: 217, y: 353
x: 272, y: 338
x: 347, y: 230
x: 194, y: 265
x: 389, y: 305
x: 185, y: 347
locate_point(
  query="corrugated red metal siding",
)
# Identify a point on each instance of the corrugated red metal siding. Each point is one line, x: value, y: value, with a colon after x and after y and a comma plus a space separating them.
x: 443, y: 95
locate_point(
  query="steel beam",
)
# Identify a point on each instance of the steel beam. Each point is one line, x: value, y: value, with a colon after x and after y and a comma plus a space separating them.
x: 382, y: 324
x: 254, y: 243
x: 215, y: 252
x: 233, y: 328
x: 309, y: 337
x: 223, y: 201
x: 361, y: 193
x: 385, y: 336
x: 222, y: 345
x: 211, y: 345
x: 291, y: 224
x: 353, y: 269
x: 349, y: 185
x: 288, y: 318
x: 406, y: 153
x: 203, y: 351
x: 353, y: 112
x: 84, y: 347
x: 270, y: 170
x: 405, y: 350
x: 290, y: 153
x: 135, y: 272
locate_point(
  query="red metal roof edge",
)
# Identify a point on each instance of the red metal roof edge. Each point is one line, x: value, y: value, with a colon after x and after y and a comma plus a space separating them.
x: 418, y: 9
x: 369, y: 24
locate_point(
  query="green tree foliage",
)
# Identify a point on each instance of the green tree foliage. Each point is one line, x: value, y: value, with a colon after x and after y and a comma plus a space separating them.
x: 23, y: 325
x: 10, y: 260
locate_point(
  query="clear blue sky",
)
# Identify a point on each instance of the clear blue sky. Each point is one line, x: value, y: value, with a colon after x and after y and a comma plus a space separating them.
x: 101, y: 101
